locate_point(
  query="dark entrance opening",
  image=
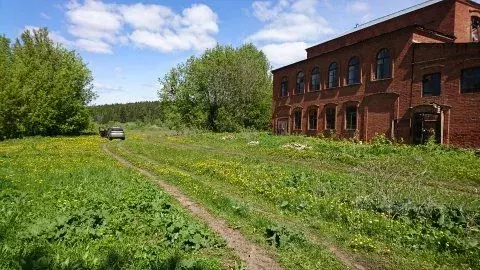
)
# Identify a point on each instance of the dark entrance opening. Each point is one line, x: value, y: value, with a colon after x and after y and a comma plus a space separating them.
x: 426, y: 126
x: 282, y: 126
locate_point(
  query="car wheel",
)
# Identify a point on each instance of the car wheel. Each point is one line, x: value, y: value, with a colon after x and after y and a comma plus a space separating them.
x: 110, y: 139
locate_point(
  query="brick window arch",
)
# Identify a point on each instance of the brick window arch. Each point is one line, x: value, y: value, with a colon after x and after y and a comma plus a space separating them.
x: 333, y: 75
x: 315, y: 79
x: 383, y: 67
x: 353, y: 75
x: 300, y: 82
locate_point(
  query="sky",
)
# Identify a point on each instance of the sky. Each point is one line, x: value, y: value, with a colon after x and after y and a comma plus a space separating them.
x: 129, y: 44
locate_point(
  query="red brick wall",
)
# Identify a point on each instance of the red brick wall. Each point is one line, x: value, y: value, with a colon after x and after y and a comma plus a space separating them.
x: 439, y: 17
x: 463, y: 127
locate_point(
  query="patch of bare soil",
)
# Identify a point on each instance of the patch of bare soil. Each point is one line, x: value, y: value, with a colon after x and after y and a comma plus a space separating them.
x: 254, y: 256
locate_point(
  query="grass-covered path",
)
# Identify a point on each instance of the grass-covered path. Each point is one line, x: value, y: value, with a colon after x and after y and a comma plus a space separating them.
x: 331, y: 205
x: 255, y: 257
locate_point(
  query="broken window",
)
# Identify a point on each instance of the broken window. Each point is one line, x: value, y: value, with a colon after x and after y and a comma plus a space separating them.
x: 471, y: 80
x: 315, y: 79
x: 333, y: 75
x: 300, y: 82
x: 383, y: 68
x: 312, y: 119
x: 431, y: 84
x: 330, y: 118
x: 351, y: 117
x: 284, y: 87
x: 475, y: 29
x: 297, y: 119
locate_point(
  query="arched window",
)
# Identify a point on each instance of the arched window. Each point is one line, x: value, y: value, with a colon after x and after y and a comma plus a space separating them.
x: 353, y: 75
x: 300, y: 82
x: 312, y: 119
x: 315, y: 79
x: 333, y: 75
x: 284, y: 87
x: 475, y: 29
x: 383, y: 65
x: 297, y: 119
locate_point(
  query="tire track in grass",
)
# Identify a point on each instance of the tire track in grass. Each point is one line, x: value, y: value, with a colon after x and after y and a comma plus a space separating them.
x: 255, y: 257
x: 347, y: 259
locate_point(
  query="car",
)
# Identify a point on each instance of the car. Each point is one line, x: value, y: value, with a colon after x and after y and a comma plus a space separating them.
x: 115, y: 133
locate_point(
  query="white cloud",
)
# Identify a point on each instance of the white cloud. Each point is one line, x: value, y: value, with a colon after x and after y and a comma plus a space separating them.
x: 45, y: 16
x: 107, y: 88
x: 289, y: 25
x: 95, y: 46
x: 285, y: 53
x: 98, y: 26
x: 358, y: 7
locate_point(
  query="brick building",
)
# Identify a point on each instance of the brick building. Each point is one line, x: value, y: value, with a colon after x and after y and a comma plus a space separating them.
x: 411, y: 75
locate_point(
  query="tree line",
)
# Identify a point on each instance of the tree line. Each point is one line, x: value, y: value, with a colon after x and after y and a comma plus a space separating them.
x: 146, y: 112
x: 44, y: 88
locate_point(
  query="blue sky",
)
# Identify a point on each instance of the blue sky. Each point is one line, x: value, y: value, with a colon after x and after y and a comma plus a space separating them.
x: 129, y: 44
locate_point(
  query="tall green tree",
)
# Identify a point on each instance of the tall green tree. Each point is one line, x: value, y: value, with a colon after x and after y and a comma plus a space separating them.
x: 48, y: 90
x: 225, y: 89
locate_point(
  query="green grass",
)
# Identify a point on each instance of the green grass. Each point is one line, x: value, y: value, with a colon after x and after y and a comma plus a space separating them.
x: 388, y: 206
x: 65, y: 204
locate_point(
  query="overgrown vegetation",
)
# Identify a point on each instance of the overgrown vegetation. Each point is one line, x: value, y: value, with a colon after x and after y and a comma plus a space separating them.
x: 389, y: 206
x: 44, y: 88
x: 64, y: 204
x: 224, y: 89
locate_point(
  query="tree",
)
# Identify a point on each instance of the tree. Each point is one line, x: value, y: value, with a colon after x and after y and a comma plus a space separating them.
x: 48, y: 90
x: 225, y: 89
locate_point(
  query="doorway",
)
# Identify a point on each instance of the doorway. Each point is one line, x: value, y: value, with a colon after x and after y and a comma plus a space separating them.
x: 426, y: 126
x: 282, y: 126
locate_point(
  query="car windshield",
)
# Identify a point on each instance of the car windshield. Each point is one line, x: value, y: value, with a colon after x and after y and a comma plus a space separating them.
x: 116, y: 129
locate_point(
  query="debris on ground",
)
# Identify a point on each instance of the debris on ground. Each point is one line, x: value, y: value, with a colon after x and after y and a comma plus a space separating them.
x: 254, y: 143
x: 228, y: 137
x: 297, y: 146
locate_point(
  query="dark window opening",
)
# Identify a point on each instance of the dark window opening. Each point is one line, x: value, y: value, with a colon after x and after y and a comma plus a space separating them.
x: 383, y: 65
x: 315, y: 79
x: 297, y: 120
x: 431, y: 85
x: 475, y: 29
x: 312, y: 120
x: 333, y: 75
x: 471, y: 80
x: 330, y: 118
x: 353, y: 76
x: 300, y: 82
x: 351, y: 117
x: 284, y: 87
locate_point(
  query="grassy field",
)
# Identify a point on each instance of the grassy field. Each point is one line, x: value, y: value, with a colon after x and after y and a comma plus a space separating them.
x: 65, y: 204
x: 313, y: 203
x: 383, y: 206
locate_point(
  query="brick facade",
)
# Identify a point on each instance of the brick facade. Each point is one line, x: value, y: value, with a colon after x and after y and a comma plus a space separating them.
x: 434, y: 38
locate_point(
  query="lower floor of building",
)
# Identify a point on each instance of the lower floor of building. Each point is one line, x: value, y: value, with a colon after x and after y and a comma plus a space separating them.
x: 380, y: 115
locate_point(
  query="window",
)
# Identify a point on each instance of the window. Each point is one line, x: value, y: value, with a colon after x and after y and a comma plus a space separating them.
x: 284, y: 87
x: 471, y: 80
x: 300, y: 82
x: 330, y: 118
x: 353, y: 75
x: 315, y: 79
x: 383, y: 67
x: 351, y: 117
x: 333, y: 75
x: 297, y: 119
x: 312, y: 119
x: 475, y: 29
x: 431, y: 85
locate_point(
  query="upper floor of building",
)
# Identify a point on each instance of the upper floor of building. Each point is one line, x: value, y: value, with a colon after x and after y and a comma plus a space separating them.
x: 459, y: 19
